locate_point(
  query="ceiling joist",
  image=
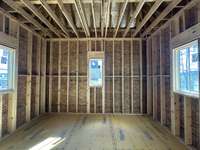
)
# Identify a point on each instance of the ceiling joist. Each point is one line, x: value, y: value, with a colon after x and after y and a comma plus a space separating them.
x: 28, y: 4
x: 164, y: 13
x: 67, y: 16
x: 53, y: 16
x: 28, y: 17
x: 94, y: 20
x: 107, y: 17
x: 148, y: 16
x: 134, y: 16
x: 81, y: 14
x: 120, y: 17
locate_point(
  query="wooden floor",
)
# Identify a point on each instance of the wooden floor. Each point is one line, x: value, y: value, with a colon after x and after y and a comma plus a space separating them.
x: 91, y: 132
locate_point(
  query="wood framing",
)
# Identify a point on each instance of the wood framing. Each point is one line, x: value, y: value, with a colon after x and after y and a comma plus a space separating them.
x: 187, y: 120
x: 113, y: 76
x: 53, y: 15
x: 175, y: 114
x: 164, y: 13
x: 59, y: 75
x: 42, y: 18
x: 12, y: 4
x: 120, y: 17
x: 66, y: 14
x: 107, y: 19
x: 93, y: 16
x: 146, y: 18
x: 134, y: 16
x: 81, y: 14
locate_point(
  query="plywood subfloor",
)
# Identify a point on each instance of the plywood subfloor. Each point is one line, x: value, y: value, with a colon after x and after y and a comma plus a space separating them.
x: 91, y: 132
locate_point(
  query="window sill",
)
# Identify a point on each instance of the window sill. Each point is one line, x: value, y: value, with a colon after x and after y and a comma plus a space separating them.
x: 6, y: 92
x: 192, y: 95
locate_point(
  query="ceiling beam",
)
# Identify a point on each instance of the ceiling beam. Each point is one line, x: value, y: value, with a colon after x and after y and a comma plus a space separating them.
x: 81, y: 14
x: 53, y: 15
x: 164, y: 13
x: 134, y: 16
x: 94, y: 20
x: 28, y: 17
x: 107, y: 17
x: 148, y: 16
x: 67, y: 16
x: 102, y: 18
x: 88, y: 1
x: 28, y: 4
x: 122, y: 10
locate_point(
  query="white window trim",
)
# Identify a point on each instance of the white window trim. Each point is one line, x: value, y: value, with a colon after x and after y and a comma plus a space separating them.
x: 174, y: 64
x: 12, y: 69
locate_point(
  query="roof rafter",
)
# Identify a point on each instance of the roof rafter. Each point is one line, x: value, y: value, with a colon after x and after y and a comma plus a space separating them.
x: 28, y: 4
x: 53, y: 15
x: 134, y: 16
x: 148, y: 16
x: 122, y: 10
x: 68, y: 18
x: 164, y: 13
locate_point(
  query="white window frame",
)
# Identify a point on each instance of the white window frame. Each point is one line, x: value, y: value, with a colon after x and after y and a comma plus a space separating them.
x: 99, y: 56
x: 175, y: 71
x: 11, y: 70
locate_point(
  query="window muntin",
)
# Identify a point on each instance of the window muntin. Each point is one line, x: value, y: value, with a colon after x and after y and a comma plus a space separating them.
x: 186, y: 69
x: 95, y: 72
x: 7, y: 63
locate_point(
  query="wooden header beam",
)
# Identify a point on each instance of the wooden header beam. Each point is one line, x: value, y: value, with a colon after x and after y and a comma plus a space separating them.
x: 28, y: 4
x: 165, y: 12
x: 135, y: 14
x: 68, y: 18
x: 53, y: 15
x: 121, y: 16
x: 148, y: 16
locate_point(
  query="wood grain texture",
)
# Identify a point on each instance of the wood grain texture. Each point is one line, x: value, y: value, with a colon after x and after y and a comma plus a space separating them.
x: 92, y: 132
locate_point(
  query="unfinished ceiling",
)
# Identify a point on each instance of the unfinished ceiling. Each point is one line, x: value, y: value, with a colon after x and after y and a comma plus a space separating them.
x: 93, y: 18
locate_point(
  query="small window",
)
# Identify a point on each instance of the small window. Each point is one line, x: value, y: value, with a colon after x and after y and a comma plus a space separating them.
x: 186, y: 69
x: 95, y: 72
x: 7, y: 62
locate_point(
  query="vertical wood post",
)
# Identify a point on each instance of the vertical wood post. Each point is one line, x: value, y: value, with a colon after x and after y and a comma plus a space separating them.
x: 77, y: 65
x: 59, y: 75
x: 122, y: 55
x: 141, y: 79
x: 50, y: 77
x: 113, y: 76
x: 28, y: 78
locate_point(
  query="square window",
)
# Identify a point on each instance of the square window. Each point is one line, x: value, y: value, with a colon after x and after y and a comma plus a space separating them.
x: 7, y: 62
x: 186, y: 69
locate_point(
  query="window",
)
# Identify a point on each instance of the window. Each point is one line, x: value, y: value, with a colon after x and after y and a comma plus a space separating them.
x: 95, y: 72
x: 7, y: 61
x: 186, y: 69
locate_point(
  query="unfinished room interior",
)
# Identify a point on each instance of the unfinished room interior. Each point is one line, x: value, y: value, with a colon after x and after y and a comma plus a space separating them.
x: 99, y: 74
